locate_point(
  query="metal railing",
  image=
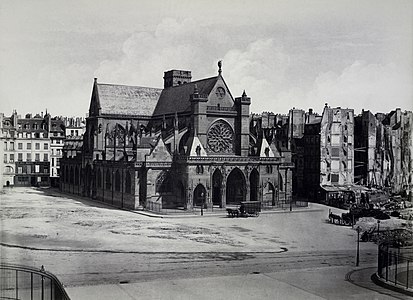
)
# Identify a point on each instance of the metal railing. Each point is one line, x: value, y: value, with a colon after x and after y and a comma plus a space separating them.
x: 395, y: 264
x: 22, y: 282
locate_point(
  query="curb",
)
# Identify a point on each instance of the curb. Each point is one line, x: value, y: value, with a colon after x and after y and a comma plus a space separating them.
x: 380, y: 282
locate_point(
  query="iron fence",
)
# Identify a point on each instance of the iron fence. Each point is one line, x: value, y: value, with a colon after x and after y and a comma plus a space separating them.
x: 395, y: 264
x: 22, y: 282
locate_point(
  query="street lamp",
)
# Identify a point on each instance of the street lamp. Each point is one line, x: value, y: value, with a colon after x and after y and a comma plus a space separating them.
x: 291, y: 201
x: 202, y: 204
x: 358, y: 246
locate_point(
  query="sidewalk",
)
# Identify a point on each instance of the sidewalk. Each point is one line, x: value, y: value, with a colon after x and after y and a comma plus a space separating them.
x: 320, y: 283
x: 220, y: 212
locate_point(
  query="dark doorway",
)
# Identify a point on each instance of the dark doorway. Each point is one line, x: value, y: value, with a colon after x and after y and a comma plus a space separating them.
x: 235, y: 187
x: 181, y: 199
x: 7, y: 183
x: 254, y: 185
x: 199, y: 195
x: 217, y: 188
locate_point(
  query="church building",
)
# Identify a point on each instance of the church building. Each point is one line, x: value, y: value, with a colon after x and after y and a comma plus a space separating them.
x: 187, y: 145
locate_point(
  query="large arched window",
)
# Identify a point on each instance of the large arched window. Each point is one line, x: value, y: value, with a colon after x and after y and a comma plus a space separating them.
x: 108, y: 181
x: 220, y: 137
x: 117, y: 181
x: 128, y: 180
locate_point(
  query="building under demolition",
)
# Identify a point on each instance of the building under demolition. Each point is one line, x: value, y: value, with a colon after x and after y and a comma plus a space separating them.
x: 384, y: 151
x: 184, y: 146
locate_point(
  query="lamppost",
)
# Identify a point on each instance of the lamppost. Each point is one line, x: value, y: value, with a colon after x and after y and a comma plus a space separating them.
x: 202, y: 203
x: 291, y: 201
x: 358, y: 246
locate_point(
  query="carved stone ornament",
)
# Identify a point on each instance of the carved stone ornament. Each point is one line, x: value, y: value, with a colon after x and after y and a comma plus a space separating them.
x: 220, y: 138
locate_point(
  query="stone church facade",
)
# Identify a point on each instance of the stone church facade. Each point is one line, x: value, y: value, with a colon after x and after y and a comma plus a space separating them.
x: 187, y: 145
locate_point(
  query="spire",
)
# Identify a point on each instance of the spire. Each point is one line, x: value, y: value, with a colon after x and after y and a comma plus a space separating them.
x: 219, y: 67
x: 244, y: 94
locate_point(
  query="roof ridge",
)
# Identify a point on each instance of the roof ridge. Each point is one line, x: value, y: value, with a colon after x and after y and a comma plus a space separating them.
x: 192, y: 82
x: 133, y: 86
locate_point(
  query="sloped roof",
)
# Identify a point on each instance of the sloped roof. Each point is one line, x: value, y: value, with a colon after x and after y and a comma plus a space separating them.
x: 127, y: 100
x: 176, y: 99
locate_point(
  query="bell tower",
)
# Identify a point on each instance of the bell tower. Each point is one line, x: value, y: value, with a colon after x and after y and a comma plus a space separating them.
x: 176, y: 77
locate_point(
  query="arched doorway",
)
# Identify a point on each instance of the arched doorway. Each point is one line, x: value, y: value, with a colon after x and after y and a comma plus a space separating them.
x: 216, y: 188
x: 7, y: 183
x: 180, y: 195
x: 269, y: 194
x: 235, y: 187
x: 199, y: 195
x: 254, y: 185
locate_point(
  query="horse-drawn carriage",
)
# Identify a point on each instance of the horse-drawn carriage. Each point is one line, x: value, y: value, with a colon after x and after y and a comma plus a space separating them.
x: 246, y: 209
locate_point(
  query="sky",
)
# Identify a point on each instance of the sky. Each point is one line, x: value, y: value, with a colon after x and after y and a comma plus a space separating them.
x: 284, y: 53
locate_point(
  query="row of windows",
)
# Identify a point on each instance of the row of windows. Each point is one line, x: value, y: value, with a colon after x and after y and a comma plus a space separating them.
x: 28, y: 169
x: 10, y: 146
x: 10, y: 158
x: 57, y: 152
x: 25, y: 179
x: 36, y: 135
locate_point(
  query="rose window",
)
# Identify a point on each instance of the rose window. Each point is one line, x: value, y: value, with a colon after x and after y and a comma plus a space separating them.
x: 220, y: 138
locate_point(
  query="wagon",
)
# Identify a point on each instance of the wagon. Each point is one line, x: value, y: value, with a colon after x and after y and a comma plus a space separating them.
x: 250, y: 208
x: 246, y: 209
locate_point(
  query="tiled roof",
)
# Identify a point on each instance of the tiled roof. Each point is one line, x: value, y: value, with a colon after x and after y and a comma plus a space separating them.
x: 176, y: 99
x: 127, y: 100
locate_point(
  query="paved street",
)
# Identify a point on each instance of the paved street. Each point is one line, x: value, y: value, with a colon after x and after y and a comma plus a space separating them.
x: 93, y: 248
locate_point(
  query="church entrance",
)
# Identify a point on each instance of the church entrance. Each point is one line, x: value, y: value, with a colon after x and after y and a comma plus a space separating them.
x: 254, y: 185
x: 235, y: 187
x: 199, y: 195
x: 216, y: 187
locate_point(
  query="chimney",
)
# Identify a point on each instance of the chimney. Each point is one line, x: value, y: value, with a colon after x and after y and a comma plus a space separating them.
x: 176, y: 77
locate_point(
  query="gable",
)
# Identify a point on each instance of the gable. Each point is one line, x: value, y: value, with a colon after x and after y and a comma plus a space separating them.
x: 220, y: 94
x: 159, y: 153
x: 94, y: 108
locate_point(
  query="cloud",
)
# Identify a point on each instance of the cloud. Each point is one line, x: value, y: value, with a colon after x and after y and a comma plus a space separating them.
x: 275, y: 78
x: 260, y: 69
x: 362, y: 85
x: 173, y: 45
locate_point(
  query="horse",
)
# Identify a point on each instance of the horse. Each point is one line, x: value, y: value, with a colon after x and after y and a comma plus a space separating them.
x: 333, y: 218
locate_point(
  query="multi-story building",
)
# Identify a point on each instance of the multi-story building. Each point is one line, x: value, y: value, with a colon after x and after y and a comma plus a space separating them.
x: 26, y: 146
x: 33, y: 151
x: 75, y: 126
x: 8, y: 138
x: 383, y: 151
x: 57, y: 138
x: 399, y: 126
x: 329, y: 156
x: 184, y: 146
x: 365, y: 129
